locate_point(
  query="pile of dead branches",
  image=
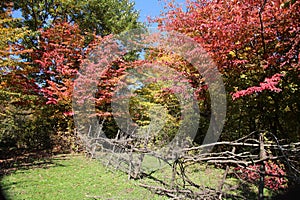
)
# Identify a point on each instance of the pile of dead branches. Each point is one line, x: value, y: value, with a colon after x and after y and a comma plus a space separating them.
x: 127, y: 154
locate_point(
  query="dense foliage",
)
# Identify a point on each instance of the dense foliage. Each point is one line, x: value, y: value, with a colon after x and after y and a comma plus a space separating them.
x: 41, y: 54
x: 255, y: 45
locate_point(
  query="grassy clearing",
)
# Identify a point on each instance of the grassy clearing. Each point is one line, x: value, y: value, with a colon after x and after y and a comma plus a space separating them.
x: 71, y: 177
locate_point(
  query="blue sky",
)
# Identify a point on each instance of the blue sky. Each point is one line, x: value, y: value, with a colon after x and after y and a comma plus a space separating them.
x: 151, y: 7
x: 146, y: 7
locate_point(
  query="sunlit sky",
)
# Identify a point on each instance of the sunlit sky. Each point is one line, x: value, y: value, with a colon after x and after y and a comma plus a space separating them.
x: 151, y: 8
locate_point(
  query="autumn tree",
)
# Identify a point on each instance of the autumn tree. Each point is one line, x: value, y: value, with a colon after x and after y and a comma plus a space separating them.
x: 21, y: 125
x: 255, y: 45
x: 66, y: 42
x: 41, y: 54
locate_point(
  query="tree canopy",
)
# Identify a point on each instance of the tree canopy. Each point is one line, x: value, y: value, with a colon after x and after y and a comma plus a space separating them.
x: 254, y: 44
x: 41, y: 53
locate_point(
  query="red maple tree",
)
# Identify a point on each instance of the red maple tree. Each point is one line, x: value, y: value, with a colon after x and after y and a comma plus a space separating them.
x: 249, y: 38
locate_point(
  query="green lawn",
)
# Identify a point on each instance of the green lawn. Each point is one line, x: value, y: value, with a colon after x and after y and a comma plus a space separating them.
x: 72, y: 177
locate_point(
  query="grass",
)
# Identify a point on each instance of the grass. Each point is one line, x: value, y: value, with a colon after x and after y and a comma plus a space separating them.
x: 71, y: 177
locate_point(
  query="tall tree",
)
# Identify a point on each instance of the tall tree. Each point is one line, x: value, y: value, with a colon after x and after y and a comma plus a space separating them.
x: 20, y: 126
x: 103, y: 17
x: 93, y: 16
x: 49, y: 51
x: 64, y: 42
x: 255, y: 45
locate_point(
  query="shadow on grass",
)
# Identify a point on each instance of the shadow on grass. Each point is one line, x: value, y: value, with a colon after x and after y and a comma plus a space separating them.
x: 13, y: 160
